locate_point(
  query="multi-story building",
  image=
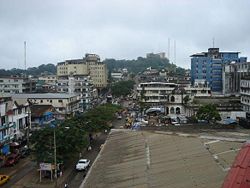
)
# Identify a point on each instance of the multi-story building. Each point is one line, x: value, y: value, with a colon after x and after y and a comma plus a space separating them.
x: 63, y: 103
x: 160, y: 55
x: 232, y: 74
x: 6, y: 128
x: 88, y: 66
x: 48, y: 79
x: 14, y: 121
x: 117, y: 75
x: 46, y: 83
x: 81, y: 86
x: 17, y: 85
x: 245, y: 94
x: 208, y: 66
x: 169, y: 95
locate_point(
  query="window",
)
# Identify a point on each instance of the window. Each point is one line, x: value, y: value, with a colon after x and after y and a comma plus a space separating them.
x: 172, y: 99
x: 60, y: 100
x: 41, y: 101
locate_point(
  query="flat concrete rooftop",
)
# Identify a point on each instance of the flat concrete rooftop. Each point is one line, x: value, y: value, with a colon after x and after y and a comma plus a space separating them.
x: 146, y: 159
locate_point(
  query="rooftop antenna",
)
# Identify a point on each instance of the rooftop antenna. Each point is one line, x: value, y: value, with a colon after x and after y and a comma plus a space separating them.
x: 25, y: 58
x: 213, y: 42
x: 169, y: 49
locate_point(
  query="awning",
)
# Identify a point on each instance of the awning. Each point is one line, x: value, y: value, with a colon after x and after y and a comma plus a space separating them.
x: 14, y: 144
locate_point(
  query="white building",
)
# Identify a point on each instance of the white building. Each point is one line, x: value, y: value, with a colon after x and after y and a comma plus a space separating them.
x: 48, y: 79
x: 15, y: 119
x: 117, y: 75
x: 17, y: 85
x: 245, y: 94
x: 62, y: 102
x: 79, y: 85
x: 169, y: 95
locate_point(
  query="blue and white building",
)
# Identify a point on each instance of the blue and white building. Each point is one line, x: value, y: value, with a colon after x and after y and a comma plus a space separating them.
x: 208, y: 66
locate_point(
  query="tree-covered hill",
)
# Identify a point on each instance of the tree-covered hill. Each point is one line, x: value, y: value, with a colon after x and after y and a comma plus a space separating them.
x: 134, y: 66
x: 140, y: 64
x: 34, y: 71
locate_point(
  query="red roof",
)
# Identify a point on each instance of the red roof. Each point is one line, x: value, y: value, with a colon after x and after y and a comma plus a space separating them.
x: 239, y: 174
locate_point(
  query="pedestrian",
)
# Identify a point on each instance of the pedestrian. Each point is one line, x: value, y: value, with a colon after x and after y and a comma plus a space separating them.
x: 89, y: 148
x: 66, y: 185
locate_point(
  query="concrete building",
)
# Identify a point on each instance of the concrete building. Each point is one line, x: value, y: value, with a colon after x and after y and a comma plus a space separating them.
x: 63, y: 103
x: 208, y: 66
x: 161, y: 55
x: 6, y: 128
x: 81, y: 86
x: 48, y: 79
x: 17, y: 85
x: 169, y: 95
x: 232, y: 73
x: 117, y: 75
x: 228, y: 107
x: 14, y: 121
x: 88, y: 66
x: 245, y: 94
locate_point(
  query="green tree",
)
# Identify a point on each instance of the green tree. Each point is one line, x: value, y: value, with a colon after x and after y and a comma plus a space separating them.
x: 122, y: 88
x: 70, y: 140
x: 186, y: 99
x: 208, y: 112
x: 72, y: 134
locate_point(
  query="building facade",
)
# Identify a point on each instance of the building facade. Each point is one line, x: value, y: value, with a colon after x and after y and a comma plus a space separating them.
x: 17, y: 85
x: 232, y: 74
x: 245, y: 94
x: 65, y: 104
x: 88, y: 66
x: 14, y: 122
x: 81, y: 86
x: 168, y: 95
x: 208, y: 66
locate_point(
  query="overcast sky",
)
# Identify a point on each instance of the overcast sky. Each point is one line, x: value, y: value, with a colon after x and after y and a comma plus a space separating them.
x: 56, y: 30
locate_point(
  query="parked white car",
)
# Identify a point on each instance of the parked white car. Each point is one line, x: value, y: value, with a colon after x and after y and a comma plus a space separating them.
x: 82, y: 164
x: 141, y: 120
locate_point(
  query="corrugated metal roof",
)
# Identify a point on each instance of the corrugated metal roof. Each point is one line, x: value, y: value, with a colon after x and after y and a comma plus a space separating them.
x: 239, y: 174
x: 141, y: 159
x: 43, y: 96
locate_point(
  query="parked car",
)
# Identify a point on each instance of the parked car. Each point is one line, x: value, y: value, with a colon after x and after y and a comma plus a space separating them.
x: 12, y: 159
x: 4, y: 179
x: 82, y: 164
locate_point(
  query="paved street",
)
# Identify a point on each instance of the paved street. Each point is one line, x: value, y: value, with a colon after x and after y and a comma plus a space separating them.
x: 18, y: 171
x: 24, y: 174
x: 76, y: 178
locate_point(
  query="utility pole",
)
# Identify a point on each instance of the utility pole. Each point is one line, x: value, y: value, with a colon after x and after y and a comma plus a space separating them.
x: 55, y: 157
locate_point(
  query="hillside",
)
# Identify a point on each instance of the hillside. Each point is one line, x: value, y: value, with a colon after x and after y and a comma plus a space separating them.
x: 140, y: 64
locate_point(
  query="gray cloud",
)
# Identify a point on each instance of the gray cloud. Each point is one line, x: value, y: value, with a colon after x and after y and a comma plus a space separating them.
x: 62, y: 29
